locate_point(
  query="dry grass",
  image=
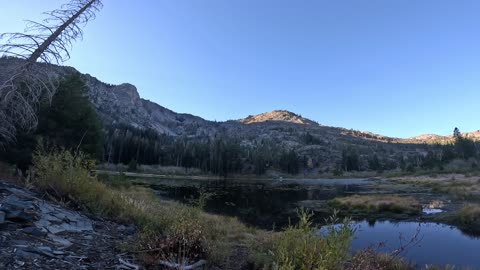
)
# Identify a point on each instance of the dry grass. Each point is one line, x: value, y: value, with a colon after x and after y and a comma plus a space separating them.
x: 461, y: 186
x: 370, y: 260
x: 378, y: 204
x: 469, y: 215
x: 168, y: 230
x: 152, y: 169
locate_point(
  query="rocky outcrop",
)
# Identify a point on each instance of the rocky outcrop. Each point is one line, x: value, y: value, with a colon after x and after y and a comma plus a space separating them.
x: 36, y: 234
x: 121, y: 104
x: 278, y: 116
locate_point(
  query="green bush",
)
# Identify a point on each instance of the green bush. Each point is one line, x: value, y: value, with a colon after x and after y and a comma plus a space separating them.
x: 303, y: 247
x: 67, y: 178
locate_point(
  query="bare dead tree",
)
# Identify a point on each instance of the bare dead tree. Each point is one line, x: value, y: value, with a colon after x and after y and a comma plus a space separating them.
x: 25, y: 82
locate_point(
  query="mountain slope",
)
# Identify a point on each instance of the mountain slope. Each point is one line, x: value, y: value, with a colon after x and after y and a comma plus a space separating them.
x: 121, y: 104
x: 282, y: 130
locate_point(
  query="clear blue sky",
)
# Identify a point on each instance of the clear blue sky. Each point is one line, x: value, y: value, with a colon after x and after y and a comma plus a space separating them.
x: 397, y: 67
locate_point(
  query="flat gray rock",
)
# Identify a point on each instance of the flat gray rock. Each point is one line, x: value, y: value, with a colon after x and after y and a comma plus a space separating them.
x: 56, y: 220
x: 34, y: 231
x: 60, y: 240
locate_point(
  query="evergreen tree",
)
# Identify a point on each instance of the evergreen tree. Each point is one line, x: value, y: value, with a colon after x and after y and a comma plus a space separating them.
x: 290, y: 162
x: 374, y: 163
x: 71, y: 121
x: 465, y: 148
x: 350, y: 160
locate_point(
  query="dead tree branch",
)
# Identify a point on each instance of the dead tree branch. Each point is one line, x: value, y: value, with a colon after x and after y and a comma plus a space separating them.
x: 25, y: 83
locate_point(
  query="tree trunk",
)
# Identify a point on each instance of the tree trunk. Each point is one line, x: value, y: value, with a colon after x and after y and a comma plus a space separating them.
x: 41, y: 49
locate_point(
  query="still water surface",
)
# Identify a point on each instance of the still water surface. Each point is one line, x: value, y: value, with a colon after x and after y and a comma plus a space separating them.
x: 261, y: 203
x: 437, y: 243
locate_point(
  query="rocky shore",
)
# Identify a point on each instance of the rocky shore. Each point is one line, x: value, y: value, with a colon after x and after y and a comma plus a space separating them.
x: 38, y: 234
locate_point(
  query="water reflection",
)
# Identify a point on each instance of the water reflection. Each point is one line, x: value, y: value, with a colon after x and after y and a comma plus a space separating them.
x: 439, y: 244
x: 262, y: 203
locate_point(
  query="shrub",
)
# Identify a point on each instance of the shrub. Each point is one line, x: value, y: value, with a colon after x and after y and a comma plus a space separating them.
x: 368, y: 259
x: 184, y: 245
x: 303, y: 247
x: 66, y: 177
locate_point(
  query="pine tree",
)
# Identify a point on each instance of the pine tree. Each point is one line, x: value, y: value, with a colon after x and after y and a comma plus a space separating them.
x: 71, y: 121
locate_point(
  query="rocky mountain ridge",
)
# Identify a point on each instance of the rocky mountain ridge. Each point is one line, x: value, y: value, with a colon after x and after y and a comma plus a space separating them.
x: 434, y: 138
x: 122, y: 105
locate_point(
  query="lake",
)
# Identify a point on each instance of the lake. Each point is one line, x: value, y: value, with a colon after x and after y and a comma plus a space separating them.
x: 269, y: 204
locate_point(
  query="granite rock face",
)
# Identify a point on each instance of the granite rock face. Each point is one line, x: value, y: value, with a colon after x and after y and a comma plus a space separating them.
x: 121, y: 104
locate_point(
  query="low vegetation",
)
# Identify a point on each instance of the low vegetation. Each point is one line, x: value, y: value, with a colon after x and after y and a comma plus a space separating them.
x: 468, y: 218
x: 301, y: 246
x: 461, y: 186
x: 173, y: 232
x: 377, y: 204
x: 370, y: 260
x: 184, y: 234
x: 168, y: 231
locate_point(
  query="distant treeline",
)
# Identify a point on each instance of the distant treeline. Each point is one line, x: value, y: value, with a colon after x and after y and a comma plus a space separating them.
x: 219, y: 155
x: 436, y: 157
x: 70, y: 121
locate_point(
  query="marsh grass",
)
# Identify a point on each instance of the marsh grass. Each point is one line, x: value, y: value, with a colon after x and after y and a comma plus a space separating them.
x: 377, y: 204
x: 469, y: 215
x: 459, y: 186
x: 115, y: 181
